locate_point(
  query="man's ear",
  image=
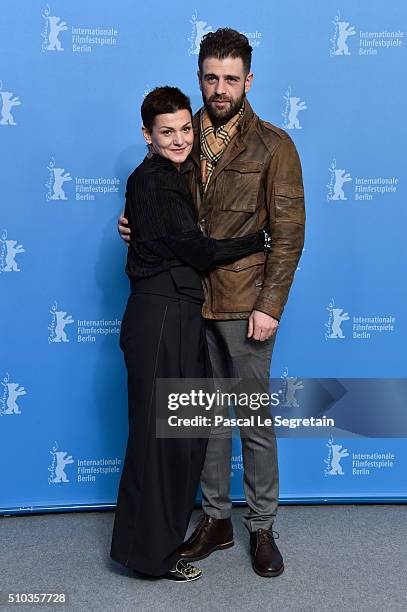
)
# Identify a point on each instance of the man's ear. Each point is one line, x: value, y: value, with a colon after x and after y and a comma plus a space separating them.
x: 248, y: 82
x: 199, y: 79
x: 146, y: 134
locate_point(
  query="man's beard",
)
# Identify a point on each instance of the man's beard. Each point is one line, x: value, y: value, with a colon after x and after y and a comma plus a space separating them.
x: 221, y: 116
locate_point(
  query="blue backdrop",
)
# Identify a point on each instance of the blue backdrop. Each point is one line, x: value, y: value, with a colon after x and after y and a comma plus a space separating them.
x: 72, y: 79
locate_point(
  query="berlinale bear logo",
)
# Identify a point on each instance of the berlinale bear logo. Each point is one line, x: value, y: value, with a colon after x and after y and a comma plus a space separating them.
x: 335, y: 319
x: 56, y: 179
x: 57, y: 470
x: 8, y: 399
x: 52, y: 28
x: 293, y: 105
x: 199, y: 29
x: 8, y: 251
x: 8, y: 101
x: 59, y: 319
x: 339, y: 176
x: 333, y: 462
x: 343, y: 30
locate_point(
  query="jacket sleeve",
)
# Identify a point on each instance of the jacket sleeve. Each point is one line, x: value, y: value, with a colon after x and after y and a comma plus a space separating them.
x: 285, y: 201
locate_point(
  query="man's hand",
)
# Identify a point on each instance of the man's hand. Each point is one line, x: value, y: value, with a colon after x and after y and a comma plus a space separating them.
x: 123, y: 230
x: 261, y: 325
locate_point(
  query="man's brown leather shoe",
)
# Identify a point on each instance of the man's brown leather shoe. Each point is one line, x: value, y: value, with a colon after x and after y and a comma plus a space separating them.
x: 266, y: 558
x: 209, y: 535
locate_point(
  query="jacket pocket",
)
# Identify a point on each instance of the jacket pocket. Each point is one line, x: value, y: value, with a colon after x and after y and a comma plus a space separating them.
x: 235, y: 286
x: 241, y: 184
x: 289, y: 202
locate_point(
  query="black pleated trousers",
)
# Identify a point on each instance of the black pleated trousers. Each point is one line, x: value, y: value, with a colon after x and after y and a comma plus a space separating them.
x: 162, y: 336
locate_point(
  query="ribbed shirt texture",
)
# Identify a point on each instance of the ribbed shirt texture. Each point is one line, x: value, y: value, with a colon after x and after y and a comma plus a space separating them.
x: 163, y: 223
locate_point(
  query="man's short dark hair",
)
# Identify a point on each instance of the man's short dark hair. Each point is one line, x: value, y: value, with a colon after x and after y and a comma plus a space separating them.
x: 223, y: 43
x: 163, y: 100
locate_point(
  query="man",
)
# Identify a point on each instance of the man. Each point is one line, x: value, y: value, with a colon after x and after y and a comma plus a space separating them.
x: 245, y: 173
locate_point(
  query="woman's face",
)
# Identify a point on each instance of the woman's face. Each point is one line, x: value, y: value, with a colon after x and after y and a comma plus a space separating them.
x: 172, y: 136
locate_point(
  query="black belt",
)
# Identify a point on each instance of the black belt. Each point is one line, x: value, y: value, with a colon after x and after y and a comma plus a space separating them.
x: 181, y: 282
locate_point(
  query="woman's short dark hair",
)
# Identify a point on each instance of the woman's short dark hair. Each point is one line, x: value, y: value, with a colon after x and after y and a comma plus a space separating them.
x: 223, y: 43
x: 163, y: 100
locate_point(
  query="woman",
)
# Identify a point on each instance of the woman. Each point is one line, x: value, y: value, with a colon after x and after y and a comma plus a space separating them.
x: 162, y: 336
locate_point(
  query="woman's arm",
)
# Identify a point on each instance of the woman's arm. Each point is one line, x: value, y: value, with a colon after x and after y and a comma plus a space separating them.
x: 161, y: 211
x: 202, y: 252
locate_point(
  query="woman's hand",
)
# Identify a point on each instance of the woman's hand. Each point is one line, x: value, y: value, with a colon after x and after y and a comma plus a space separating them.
x: 123, y: 229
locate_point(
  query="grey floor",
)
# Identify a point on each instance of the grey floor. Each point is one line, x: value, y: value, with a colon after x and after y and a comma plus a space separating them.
x: 336, y: 557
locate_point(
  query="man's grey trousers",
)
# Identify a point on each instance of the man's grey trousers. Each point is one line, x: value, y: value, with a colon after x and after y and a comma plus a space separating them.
x: 233, y: 355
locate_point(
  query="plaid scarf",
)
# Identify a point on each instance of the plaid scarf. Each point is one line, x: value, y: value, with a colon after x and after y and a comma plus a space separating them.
x: 214, y: 142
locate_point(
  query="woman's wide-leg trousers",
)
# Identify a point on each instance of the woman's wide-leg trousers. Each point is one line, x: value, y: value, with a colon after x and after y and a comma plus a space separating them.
x: 162, y: 336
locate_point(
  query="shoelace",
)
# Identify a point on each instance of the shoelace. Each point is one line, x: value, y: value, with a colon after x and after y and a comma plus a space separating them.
x: 267, y: 535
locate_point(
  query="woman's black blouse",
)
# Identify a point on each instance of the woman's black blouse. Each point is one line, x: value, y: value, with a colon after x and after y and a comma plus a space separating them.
x: 164, y: 231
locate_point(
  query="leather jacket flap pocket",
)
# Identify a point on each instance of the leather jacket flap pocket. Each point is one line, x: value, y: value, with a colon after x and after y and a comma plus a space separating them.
x: 289, y: 202
x: 241, y: 183
x: 244, y: 166
x: 246, y: 262
x: 235, y: 287
x: 288, y: 190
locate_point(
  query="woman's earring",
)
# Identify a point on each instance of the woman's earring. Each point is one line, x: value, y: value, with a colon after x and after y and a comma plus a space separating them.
x: 150, y: 151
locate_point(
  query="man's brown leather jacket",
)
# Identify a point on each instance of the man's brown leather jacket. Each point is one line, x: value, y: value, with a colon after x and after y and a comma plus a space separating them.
x: 256, y: 183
